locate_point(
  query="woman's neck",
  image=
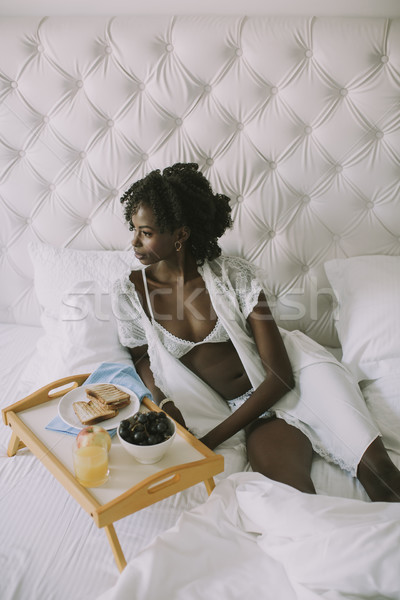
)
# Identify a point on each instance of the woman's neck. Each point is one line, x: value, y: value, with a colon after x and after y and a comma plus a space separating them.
x: 183, y: 269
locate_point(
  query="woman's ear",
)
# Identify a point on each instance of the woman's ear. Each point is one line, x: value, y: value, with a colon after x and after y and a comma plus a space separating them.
x: 183, y: 234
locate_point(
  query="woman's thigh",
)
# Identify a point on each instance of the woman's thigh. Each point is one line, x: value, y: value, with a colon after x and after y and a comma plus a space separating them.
x: 281, y: 452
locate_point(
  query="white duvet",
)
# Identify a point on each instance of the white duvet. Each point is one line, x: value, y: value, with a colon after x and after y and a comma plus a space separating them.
x: 255, y: 538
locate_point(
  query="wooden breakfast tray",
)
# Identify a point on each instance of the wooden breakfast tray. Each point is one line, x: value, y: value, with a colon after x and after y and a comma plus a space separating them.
x: 131, y: 486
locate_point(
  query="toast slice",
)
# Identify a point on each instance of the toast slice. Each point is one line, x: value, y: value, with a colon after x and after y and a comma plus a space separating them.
x: 93, y: 411
x: 108, y: 394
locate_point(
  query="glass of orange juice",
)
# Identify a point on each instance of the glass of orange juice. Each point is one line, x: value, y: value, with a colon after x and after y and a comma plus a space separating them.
x: 91, y: 464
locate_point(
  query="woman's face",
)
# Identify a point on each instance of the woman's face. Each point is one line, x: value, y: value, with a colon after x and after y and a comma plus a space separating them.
x: 149, y: 244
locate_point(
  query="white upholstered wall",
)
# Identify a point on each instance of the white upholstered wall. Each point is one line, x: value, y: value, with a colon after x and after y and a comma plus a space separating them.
x: 297, y: 119
x: 357, y: 8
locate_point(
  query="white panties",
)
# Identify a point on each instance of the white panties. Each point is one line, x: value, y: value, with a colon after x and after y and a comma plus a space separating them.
x: 236, y: 402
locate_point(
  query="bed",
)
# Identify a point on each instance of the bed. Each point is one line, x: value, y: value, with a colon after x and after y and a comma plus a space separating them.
x: 297, y: 120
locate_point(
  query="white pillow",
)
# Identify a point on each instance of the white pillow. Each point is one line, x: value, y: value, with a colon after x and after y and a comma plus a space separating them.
x: 368, y: 316
x: 80, y: 330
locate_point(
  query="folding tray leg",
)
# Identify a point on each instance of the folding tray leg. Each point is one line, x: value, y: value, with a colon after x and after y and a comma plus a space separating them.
x: 114, y: 541
x: 115, y: 547
x: 14, y: 445
x: 210, y: 485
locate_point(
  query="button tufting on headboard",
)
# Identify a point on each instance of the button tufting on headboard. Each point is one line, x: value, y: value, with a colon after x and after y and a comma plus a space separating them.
x: 296, y: 119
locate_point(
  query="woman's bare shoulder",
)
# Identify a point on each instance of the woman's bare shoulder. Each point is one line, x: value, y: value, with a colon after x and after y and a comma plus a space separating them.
x: 136, y: 278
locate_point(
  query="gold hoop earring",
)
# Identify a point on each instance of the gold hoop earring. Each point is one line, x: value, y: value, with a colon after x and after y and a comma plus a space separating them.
x: 178, y: 246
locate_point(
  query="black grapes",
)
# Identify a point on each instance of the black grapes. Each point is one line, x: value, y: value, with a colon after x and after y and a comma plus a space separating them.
x: 146, y: 429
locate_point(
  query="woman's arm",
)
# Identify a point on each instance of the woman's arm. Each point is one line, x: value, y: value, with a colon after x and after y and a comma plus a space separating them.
x: 279, y: 376
x: 141, y: 361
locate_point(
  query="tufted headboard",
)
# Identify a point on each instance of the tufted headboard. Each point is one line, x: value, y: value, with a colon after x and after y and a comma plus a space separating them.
x: 296, y: 119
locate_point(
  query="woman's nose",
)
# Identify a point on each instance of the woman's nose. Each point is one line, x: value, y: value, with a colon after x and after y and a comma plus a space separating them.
x: 135, y: 242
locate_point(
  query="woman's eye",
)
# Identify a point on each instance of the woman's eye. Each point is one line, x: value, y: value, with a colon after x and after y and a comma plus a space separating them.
x: 147, y: 233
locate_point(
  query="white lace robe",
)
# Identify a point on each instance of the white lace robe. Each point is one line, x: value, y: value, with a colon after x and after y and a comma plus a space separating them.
x: 325, y: 404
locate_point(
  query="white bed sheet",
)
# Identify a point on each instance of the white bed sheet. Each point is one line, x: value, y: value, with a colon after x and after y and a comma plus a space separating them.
x: 50, y: 548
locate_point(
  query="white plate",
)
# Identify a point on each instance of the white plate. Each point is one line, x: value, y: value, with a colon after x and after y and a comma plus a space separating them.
x: 67, y: 413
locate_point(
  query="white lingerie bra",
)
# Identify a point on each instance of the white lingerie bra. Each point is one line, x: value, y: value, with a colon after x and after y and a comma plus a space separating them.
x: 176, y: 346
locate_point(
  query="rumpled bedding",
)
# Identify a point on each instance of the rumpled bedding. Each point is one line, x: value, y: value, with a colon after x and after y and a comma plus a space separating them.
x: 51, y: 549
x: 255, y: 538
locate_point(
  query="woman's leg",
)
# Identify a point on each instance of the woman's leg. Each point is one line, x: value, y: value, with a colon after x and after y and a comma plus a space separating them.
x: 378, y: 475
x: 281, y: 452
x: 331, y: 407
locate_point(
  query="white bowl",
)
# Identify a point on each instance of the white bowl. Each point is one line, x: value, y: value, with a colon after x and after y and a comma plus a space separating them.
x: 148, y: 455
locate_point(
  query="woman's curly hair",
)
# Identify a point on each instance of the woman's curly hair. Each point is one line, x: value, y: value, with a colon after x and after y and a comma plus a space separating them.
x: 181, y: 195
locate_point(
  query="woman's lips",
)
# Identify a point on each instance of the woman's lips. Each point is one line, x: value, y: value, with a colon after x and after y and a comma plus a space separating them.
x: 139, y: 256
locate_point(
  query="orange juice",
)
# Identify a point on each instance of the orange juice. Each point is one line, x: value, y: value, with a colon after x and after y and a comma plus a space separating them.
x: 91, y: 465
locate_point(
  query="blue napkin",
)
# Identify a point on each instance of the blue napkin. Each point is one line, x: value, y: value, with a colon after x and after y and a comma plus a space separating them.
x: 116, y: 373
x: 120, y: 374
x: 57, y: 424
